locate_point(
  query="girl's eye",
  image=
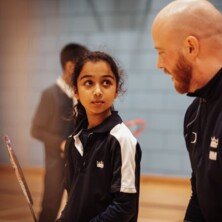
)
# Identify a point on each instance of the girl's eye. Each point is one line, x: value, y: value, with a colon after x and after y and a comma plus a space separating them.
x: 88, y: 83
x: 106, y: 82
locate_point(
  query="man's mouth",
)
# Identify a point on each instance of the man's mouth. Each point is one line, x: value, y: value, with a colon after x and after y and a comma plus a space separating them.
x: 166, y: 71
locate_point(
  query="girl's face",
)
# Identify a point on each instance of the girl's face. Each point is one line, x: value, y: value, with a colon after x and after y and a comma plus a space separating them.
x: 96, y: 89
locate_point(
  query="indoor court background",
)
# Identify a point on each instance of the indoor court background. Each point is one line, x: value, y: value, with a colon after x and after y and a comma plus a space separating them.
x: 32, y: 34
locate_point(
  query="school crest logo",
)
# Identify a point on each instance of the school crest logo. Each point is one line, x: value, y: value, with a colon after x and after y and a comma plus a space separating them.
x: 100, y: 164
x: 214, y: 142
x: 213, y: 155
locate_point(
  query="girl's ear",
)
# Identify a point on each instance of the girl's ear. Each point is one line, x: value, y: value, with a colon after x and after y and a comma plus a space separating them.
x: 76, y: 94
x: 116, y: 94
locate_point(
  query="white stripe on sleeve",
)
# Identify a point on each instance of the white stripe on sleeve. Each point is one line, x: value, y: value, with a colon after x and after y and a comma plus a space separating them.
x: 128, y: 151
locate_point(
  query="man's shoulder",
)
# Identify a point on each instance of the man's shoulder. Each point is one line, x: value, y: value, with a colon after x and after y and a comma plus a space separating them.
x: 50, y: 90
x: 193, y: 106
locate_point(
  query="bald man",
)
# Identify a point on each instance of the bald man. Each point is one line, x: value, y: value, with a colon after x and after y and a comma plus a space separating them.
x: 187, y: 35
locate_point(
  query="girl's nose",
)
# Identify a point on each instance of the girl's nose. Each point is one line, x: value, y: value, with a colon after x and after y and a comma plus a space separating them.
x: 97, y: 91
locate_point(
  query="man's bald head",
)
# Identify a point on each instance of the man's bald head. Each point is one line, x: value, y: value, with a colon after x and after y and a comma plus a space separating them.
x: 190, y: 17
x: 188, y: 37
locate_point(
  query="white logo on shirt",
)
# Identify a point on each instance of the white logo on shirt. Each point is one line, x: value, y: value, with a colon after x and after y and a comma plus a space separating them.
x: 195, y: 138
x: 214, y: 142
x: 100, y: 164
x: 213, y: 155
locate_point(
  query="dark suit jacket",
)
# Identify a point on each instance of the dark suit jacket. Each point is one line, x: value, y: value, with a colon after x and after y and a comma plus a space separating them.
x: 53, y: 120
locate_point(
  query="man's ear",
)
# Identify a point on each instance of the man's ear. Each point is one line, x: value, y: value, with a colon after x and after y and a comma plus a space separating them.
x: 192, y: 47
x: 69, y: 66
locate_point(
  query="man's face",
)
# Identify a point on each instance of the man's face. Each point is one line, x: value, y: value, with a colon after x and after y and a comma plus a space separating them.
x: 172, y: 61
x: 181, y: 74
x: 68, y: 71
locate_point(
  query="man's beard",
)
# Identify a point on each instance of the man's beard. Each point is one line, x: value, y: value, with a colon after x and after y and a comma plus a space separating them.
x: 182, y: 74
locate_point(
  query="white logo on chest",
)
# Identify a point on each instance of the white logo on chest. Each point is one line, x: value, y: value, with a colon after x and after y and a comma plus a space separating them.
x: 100, y: 164
x: 195, y: 138
x: 213, y: 155
x: 214, y: 142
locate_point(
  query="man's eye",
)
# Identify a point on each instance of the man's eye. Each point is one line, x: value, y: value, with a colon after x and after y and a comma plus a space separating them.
x: 160, y: 53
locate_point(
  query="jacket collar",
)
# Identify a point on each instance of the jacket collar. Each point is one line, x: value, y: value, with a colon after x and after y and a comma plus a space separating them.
x: 104, y: 127
x: 64, y: 87
x: 212, y: 90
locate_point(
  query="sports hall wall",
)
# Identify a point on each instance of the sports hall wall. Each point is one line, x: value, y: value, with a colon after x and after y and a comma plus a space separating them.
x: 32, y: 34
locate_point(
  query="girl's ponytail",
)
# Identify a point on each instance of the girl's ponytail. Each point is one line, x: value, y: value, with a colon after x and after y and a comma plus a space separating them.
x: 79, y: 113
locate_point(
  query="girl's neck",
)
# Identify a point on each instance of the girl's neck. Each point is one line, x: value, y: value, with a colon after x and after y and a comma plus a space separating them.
x: 96, y: 119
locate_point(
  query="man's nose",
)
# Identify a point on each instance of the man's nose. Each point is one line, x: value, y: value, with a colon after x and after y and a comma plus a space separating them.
x: 159, y: 63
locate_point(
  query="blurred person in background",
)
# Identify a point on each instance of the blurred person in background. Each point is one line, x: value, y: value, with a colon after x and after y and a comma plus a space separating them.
x: 52, y: 124
x: 188, y: 38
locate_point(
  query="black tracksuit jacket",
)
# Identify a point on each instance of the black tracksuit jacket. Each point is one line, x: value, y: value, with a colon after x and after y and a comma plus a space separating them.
x: 102, y: 174
x: 203, y: 136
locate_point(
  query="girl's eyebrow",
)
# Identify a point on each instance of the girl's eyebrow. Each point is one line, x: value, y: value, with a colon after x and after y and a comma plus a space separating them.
x: 86, y: 76
x: 109, y: 76
x: 104, y: 76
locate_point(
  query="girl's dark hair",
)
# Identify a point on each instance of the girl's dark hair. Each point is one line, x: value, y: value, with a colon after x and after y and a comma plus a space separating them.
x: 79, y: 112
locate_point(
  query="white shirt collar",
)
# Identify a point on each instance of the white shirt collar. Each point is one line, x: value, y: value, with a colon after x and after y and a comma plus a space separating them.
x: 66, y: 88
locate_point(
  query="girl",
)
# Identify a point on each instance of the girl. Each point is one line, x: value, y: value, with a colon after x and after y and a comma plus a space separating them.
x: 102, y: 155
